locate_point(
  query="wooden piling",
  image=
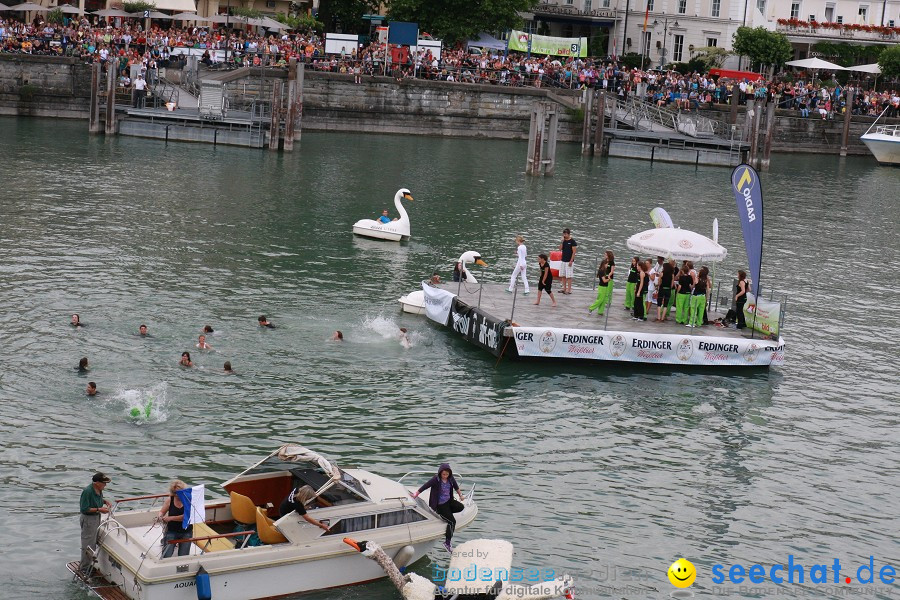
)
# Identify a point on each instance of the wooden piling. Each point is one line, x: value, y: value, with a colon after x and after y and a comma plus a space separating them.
x: 94, y: 119
x: 848, y: 114
x: 770, y: 133
x: 586, y: 122
x: 110, y: 98
x: 599, y: 147
x: 298, y: 111
x: 550, y: 161
x: 535, y: 139
x: 289, y: 119
x: 735, y: 92
x: 275, y: 125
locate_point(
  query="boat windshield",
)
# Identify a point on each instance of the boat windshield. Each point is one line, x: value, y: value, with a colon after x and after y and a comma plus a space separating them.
x: 345, y: 490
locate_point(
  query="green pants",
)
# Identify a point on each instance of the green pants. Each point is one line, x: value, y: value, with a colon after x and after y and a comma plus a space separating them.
x: 697, y: 305
x: 682, y: 308
x: 629, y: 295
x: 602, y: 301
x: 609, y: 293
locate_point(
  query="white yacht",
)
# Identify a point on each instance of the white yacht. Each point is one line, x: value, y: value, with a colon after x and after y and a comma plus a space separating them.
x: 293, y: 556
x: 883, y: 142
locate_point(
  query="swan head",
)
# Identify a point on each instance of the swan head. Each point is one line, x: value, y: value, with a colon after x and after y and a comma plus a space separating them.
x: 404, y: 193
x: 365, y: 548
x: 472, y: 257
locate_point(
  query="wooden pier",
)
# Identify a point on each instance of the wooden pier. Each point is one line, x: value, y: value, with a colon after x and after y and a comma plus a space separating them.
x: 510, y: 325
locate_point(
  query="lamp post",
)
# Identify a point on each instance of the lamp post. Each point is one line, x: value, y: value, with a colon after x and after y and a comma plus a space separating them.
x: 662, y: 61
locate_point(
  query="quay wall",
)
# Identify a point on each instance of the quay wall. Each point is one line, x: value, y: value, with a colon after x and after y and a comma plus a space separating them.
x: 59, y: 87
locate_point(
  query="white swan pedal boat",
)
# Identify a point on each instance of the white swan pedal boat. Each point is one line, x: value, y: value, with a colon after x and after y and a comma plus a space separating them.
x: 414, y: 302
x: 294, y: 557
x: 394, y: 231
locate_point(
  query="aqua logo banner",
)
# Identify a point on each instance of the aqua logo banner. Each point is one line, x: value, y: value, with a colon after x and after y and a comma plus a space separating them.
x: 748, y: 194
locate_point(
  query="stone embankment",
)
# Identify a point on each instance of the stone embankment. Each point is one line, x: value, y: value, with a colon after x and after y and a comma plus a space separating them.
x: 60, y: 87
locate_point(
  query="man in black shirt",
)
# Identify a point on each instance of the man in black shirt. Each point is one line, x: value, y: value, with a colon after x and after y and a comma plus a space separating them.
x: 569, y: 248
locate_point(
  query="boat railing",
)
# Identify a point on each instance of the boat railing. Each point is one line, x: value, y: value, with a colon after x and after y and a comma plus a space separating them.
x: 875, y: 122
x: 109, y: 525
x: 891, y: 130
x: 154, y: 497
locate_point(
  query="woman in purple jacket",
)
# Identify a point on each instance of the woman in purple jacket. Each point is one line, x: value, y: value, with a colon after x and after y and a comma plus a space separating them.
x: 441, y: 499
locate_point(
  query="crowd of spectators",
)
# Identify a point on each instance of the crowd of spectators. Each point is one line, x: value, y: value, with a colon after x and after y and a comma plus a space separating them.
x: 128, y: 43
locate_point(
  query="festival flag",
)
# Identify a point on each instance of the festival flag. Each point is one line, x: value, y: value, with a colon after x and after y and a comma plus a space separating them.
x: 194, y: 504
x: 748, y: 194
x: 646, y: 16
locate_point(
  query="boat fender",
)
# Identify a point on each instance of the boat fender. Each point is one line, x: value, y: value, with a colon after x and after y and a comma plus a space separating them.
x: 403, y: 556
x: 204, y: 590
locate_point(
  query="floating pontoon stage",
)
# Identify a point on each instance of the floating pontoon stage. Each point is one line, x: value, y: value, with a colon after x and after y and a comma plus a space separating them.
x: 236, y: 128
x: 485, y: 316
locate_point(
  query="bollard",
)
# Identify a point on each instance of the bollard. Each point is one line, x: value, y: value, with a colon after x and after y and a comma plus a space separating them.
x: 848, y: 114
x: 599, y: 148
x: 290, y: 117
x: 94, y: 119
x: 586, y: 122
x: 110, y: 100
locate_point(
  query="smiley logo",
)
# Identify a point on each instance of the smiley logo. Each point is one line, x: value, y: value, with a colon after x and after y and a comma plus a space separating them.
x: 682, y: 573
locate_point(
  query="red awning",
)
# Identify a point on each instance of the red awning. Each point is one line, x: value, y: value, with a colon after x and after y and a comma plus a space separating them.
x: 749, y: 75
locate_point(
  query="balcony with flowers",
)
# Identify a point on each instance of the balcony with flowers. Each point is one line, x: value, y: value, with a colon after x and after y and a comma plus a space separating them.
x: 843, y: 31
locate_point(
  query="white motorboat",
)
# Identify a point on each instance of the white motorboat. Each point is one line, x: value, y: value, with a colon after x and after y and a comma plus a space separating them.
x: 414, y: 302
x: 883, y: 142
x: 394, y: 231
x: 295, y: 556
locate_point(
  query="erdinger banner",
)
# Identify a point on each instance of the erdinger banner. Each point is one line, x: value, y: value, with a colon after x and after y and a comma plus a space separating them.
x: 763, y: 316
x: 646, y: 347
x: 748, y: 194
x: 437, y: 303
x: 476, y: 326
x: 545, y: 44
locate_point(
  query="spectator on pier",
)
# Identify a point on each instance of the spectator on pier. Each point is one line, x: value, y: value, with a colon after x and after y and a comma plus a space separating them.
x: 640, y: 290
x: 740, y: 299
x: 631, y: 283
x: 664, y: 287
x: 569, y: 248
x: 603, y: 288
x: 545, y: 279
x: 521, y: 264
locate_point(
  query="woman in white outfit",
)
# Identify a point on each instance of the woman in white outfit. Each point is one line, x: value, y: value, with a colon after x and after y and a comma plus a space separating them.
x: 521, y: 262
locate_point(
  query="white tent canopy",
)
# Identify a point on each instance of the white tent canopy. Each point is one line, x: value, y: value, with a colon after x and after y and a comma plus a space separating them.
x: 485, y: 40
x: 680, y: 244
x: 815, y: 64
x: 872, y: 68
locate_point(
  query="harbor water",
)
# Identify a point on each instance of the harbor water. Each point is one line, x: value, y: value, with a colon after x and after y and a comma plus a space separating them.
x: 607, y: 473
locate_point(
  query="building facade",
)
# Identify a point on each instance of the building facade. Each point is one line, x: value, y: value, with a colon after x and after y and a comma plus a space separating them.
x: 678, y: 29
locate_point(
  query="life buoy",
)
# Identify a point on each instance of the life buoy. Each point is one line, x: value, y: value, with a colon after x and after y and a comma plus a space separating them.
x: 555, y: 262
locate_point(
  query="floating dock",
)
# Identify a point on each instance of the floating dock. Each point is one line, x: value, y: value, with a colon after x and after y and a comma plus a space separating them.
x: 485, y: 315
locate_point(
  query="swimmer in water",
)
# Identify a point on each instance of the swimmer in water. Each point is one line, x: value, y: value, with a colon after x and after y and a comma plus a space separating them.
x: 142, y: 331
x: 186, y: 360
x: 91, y: 389
x: 404, y: 340
x: 228, y: 369
x: 201, y: 343
x: 337, y: 336
x: 207, y: 329
x: 76, y: 321
x: 83, y: 365
x: 435, y: 278
x: 264, y: 322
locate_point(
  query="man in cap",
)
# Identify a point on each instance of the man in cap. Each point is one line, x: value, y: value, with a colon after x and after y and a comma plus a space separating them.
x: 92, y: 505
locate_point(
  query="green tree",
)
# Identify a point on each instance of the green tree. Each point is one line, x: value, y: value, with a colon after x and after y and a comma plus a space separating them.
x: 346, y: 15
x: 56, y: 16
x: 889, y: 61
x: 762, y: 47
x: 458, y: 20
x: 138, y: 6
x: 300, y: 22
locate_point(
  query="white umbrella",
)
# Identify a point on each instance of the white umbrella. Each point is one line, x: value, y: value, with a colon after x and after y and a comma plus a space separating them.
x: 269, y: 23
x: 815, y: 64
x: 872, y: 68
x: 112, y: 12
x: 185, y: 16
x: 679, y: 244
x: 70, y: 10
x: 3, y: 6
x: 222, y: 19
x: 154, y: 14
x: 29, y: 6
